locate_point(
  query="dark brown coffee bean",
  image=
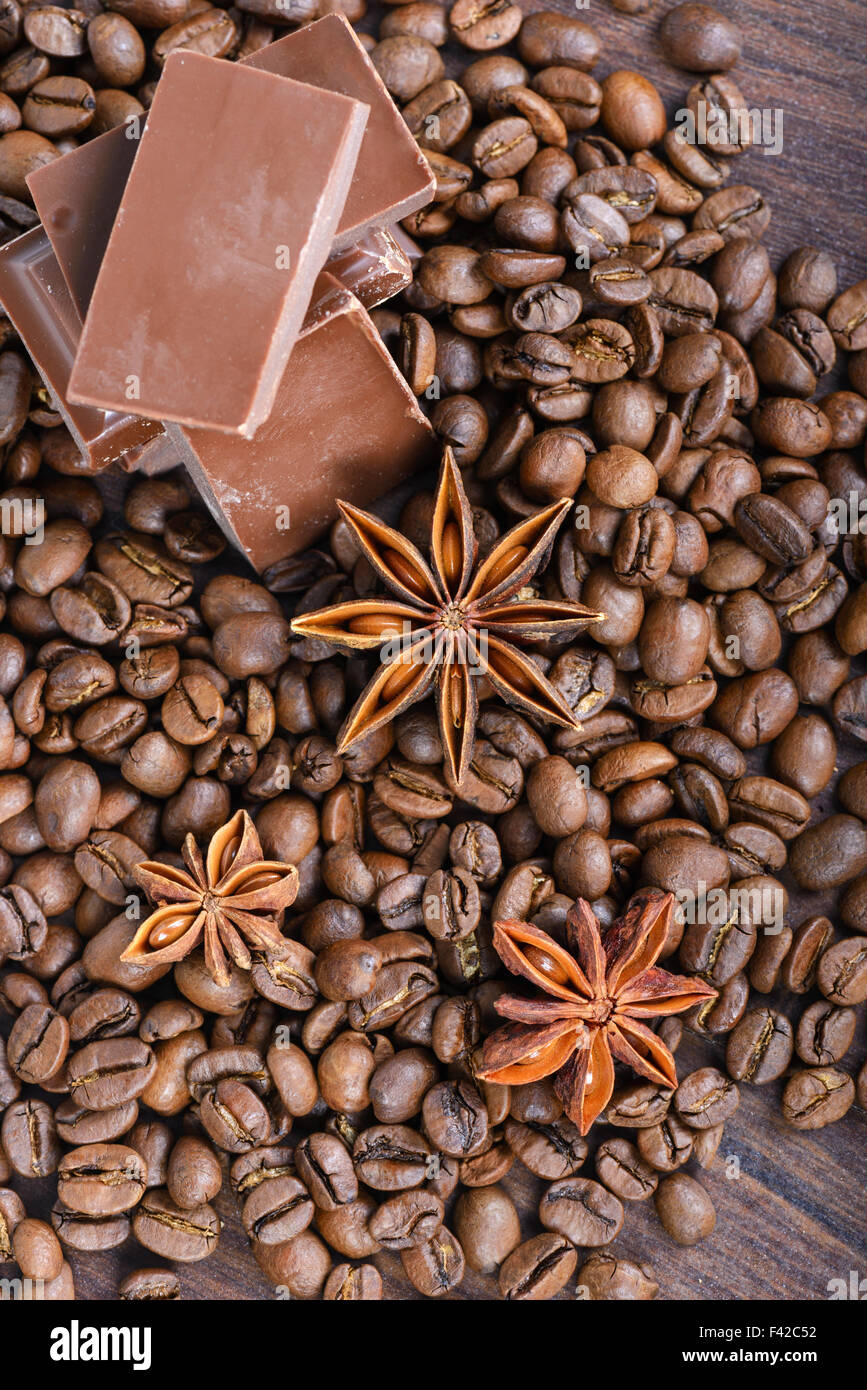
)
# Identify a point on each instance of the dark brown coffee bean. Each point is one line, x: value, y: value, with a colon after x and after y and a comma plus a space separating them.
x: 38, y: 1043
x: 759, y: 1048
x: 325, y: 1166
x: 537, y: 1269
x: 829, y: 853
x: 167, y: 1230
x: 842, y: 971
x: 706, y: 1098
x: 605, y: 1278
x: 29, y: 1136
x: 391, y: 1158
x: 684, y: 1208
x: 149, y: 1285
x: 818, y: 1097
x: 824, y: 1034
x: 455, y: 1119
x: 105, y: 1074
x: 101, y: 1179
x: 436, y: 1267
x: 620, y: 1166
x: 581, y: 1210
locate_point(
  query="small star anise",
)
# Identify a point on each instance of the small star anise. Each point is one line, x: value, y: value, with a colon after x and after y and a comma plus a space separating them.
x: 599, y: 990
x: 451, y: 622
x: 231, y: 896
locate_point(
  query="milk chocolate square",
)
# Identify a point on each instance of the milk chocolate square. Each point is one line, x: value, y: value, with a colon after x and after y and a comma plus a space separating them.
x: 345, y: 424
x: 392, y: 177
x: 226, y: 219
x: 35, y: 297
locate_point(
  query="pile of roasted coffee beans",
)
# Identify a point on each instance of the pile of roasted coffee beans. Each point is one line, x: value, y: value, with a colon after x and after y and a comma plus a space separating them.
x: 594, y: 316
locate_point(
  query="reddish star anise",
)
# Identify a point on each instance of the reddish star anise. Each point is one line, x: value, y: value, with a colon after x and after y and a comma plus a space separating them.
x: 231, y: 896
x: 451, y: 621
x: 598, y: 991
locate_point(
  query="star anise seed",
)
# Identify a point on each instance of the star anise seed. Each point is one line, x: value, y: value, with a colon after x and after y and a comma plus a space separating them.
x: 451, y: 621
x: 598, y: 991
x: 231, y: 897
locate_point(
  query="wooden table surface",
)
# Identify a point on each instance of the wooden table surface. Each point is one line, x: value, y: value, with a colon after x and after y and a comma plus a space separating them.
x: 790, y: 1206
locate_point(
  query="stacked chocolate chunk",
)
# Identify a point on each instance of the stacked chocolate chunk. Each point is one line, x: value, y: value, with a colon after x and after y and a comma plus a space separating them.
x: 199, y: 287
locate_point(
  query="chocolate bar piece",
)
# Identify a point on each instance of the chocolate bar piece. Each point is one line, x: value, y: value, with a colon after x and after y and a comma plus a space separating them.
x: 375, y: 269
x: 392, y: 177
x: 80, y: 194
x: 77, y: 196
x: 345, y: 424
x: 34, y: 294
x: 79, y: 203
x: 36, y: 299
x: 227, y: 217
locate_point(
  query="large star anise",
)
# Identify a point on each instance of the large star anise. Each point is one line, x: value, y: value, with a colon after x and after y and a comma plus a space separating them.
x: 452, y: 621
x: 232, y: 896
x: 598, y: 991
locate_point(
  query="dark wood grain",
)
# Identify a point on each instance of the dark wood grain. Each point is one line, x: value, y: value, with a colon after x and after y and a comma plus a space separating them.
x: 790, y: 1206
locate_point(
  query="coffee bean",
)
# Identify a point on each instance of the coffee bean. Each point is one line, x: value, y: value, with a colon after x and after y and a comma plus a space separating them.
x: 537, y: 1269
x: 603, y: 1278
x: 101, y: 1179
x: 842, y: 971
x: 624, y: 1172
x: 706, y: 1098
x: 168, y: 1230
x: 581, y: 1210
x: 684, y: 1208
x: 149, y: 1285
x: 817, y: 1097
x: 437, y: 1266
x: 760, y: 1047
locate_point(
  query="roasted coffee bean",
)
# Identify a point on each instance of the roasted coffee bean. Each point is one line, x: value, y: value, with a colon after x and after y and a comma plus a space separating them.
x: 391, y: 1158
x: 581, y: 1210
x: 706, y: 1098
x: 759, y: 1048
x: 325, y: 1166
x: 108, y: 1073
x: 842, y: 971
x: 407, y: 1220
x: 437, y: 1266
x: 398, y: 1085
x: 537, y: 1269
x: 829, y: 853
x: 817, y: 1097
x: 149, y: 1285
x: 684, y: 1208
x: 487, y: 1226
x: 277, y: 1211
x: 455, y: 1119
x: 632, y: 110
x: 101, y: 1179
x: 638, y: 1106
x: 810, y: 940
x: 824, y: 1034
x: 620, y: 1166
x: 38, y: 1043
x: 234, y: 1116
x: 29, y: 1136
x: 666, y: 1146
x: 603, y: 1278
x: 193, y: 1176
x: 168, y: 1230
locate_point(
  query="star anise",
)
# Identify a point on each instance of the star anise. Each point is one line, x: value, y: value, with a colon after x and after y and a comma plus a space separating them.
x: 451, y: 621
x: 231, y: 896
x: 599, y: 989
